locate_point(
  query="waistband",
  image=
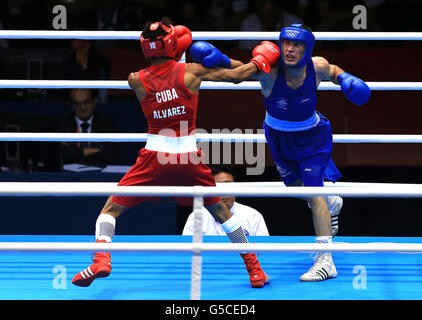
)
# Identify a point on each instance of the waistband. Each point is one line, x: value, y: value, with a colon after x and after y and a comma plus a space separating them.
x: 171, y: 144
x: 283, y: 125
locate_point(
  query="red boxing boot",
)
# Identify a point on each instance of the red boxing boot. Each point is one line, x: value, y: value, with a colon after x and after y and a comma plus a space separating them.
x: 101, y: 268
x: 257, y: 276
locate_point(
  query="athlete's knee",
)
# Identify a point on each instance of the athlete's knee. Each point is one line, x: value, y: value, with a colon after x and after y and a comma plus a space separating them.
x: 112, y: 208
x: 297, y: 183
x: 220, y: 212
x: 317, y: 203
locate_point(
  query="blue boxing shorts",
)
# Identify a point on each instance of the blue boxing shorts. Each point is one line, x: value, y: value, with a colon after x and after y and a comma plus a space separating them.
x: 304, y: 155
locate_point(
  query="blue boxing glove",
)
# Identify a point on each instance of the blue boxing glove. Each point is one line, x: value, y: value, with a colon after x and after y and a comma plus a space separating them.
x: 208, y: 55
x: 355, y: 89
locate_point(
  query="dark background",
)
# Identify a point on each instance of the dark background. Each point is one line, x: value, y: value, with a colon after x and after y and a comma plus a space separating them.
x: 388, y: 112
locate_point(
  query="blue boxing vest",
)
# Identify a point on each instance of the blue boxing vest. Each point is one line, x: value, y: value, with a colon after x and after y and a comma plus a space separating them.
x: 295, y: 106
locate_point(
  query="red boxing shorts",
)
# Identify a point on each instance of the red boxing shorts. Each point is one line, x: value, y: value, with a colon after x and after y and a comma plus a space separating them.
x: 154, y: 168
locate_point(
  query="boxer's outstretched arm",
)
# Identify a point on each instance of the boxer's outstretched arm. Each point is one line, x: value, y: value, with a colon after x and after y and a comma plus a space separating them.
x: 235, y: 75
x: 235, y: 63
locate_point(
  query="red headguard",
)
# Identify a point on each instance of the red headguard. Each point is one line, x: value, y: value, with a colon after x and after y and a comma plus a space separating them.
x: 164, y: 46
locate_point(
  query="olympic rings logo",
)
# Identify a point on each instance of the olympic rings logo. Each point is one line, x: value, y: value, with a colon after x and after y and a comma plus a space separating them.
x: 292, y: 33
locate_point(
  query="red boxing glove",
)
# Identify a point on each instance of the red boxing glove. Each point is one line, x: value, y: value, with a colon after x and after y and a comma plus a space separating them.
x: 265, y: 55
x: 184, y: 40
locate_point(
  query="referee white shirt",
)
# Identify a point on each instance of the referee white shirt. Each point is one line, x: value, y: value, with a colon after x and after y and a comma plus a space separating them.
x: 252, y: 222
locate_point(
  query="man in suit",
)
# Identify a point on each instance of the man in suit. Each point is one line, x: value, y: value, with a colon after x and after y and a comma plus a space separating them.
x: 85, y: 120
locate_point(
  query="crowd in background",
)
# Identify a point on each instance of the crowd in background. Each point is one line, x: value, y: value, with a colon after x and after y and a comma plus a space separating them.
x: 211, y: 15
x: 204, y: 15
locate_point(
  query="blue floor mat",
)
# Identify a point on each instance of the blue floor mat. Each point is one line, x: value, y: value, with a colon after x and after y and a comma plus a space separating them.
x: 167, y: 276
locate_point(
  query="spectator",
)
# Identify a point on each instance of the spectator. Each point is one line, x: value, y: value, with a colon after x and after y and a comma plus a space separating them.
x: 4, y: 44
x: 331, y: 15
x: 112, y: 15
x: 226, y: 15
x: 269, y: 15
x: 118, y: 15
x: 86, y: 63
x: 84, y: 119
x: 193, y: 13
x: 252, y: 221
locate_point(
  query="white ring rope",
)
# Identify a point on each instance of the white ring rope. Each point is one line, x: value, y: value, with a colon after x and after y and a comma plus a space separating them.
x: 201, y: 137
x: 87, y: 189
x: 208, y: 247
x: 203, y: 35
x: 206, y: 85
x: 326, y: 184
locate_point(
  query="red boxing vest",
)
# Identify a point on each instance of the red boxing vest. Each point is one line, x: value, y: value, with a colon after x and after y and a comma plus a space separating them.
x: 169, y: 107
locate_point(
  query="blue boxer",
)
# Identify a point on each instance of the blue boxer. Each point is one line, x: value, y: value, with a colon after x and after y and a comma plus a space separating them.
x: 299, y: 137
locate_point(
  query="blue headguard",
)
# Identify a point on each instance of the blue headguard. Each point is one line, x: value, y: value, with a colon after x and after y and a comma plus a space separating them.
x: 296, y: 33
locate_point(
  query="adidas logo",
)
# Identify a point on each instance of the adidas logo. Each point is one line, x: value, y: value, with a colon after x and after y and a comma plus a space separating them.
x: 323, y: 274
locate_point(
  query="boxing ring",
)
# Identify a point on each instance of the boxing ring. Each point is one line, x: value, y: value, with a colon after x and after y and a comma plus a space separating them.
x: 206, y: 267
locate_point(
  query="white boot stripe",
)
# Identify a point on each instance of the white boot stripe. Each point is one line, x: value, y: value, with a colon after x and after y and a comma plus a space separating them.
x: 87, y: 272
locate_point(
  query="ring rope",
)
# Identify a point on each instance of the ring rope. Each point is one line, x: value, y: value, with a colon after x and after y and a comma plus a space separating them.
x: 78, y: 189
x: 203, y: 35
x: 326, y: 184
x: 206, y: 85
x: 201, y: 137
x: 209, y: 247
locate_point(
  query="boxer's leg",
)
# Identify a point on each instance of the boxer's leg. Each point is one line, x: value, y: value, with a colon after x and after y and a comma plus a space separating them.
x: 104, y: 232
x: 233, y: 228
x: 313, y: 175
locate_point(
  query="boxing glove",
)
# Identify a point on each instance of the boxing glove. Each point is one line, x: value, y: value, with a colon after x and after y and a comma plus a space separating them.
x: 265, y: 55
x: 208, y: 55
x: 184, y: 40
x: 355, y: 89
